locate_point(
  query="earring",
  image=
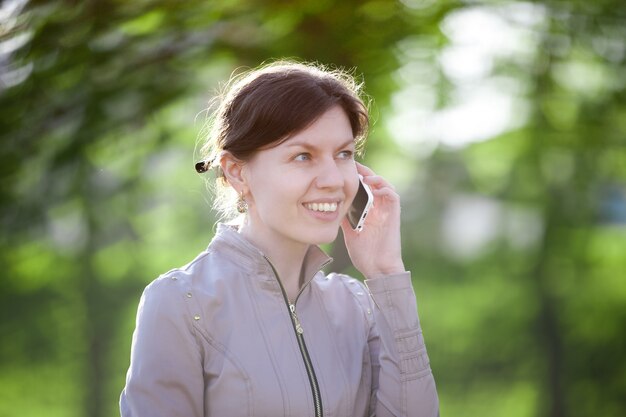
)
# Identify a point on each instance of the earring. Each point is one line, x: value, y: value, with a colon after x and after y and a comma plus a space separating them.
x: 242, y: 204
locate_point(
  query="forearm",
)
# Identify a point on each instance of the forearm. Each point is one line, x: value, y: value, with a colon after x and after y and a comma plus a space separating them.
x: 406, y: 386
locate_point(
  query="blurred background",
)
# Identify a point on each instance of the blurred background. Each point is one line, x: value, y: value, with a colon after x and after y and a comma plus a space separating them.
x: 502, y: 123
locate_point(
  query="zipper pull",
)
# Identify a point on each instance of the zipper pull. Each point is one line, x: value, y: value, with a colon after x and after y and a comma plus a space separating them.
x: 299, y: 328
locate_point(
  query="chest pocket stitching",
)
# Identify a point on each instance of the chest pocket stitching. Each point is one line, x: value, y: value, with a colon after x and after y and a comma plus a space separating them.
x: 270, y: 351
x: 366, y: 303
x: 199, y: 330
x: 348, y: 410
x: 217, y: 346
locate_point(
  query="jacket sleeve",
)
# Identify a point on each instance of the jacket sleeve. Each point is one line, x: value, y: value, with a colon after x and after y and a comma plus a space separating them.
x: 165, y: 377
x: 403, y: 384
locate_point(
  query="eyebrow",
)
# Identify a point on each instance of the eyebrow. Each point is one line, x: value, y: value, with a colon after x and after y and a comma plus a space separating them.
x: 309, y: 146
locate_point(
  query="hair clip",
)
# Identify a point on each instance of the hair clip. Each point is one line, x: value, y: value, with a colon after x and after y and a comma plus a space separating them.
x: 201, y: 167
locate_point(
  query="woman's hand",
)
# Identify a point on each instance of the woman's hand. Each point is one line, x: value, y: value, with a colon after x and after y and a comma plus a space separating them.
x: 376, y: 250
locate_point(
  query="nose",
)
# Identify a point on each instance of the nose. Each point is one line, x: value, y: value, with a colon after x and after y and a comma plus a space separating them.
x: 330, y: 175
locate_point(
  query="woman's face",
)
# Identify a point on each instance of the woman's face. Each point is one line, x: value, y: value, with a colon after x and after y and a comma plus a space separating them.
x: 300, y: 190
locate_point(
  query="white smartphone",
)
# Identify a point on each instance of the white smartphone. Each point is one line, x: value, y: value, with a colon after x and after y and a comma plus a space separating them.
x: 361, y: 205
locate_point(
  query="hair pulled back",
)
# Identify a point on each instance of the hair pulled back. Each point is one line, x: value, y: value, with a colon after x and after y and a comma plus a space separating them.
x: 266, y: 106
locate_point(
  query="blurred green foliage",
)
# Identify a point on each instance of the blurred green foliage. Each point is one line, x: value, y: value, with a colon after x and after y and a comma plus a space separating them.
x: 514, y: 206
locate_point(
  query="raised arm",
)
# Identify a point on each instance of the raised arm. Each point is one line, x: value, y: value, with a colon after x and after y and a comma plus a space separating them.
x: 403, y: 384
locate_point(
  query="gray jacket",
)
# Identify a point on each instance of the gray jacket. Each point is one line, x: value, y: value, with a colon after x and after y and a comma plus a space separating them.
x: 219, y: 337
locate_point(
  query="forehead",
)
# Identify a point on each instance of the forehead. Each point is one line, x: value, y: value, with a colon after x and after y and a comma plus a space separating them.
x: 331, y: 128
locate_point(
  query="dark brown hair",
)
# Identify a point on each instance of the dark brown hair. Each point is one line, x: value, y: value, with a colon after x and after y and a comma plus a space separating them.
x: 265, y: 106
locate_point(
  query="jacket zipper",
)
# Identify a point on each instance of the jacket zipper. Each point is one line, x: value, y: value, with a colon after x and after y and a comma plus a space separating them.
x: 315, y: 389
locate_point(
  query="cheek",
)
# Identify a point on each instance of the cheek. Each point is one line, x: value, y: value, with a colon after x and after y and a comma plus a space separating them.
x: 277, y: 193
x: 352, y: 186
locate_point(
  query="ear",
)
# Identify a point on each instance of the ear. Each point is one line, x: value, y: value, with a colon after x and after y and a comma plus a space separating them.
x: 233, y: 171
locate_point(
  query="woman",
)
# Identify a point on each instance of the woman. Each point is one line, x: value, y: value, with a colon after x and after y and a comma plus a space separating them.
x: 252, y: 327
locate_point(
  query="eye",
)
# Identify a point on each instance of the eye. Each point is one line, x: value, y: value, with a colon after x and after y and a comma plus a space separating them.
x: 347, y: 154
x: 305, y: 156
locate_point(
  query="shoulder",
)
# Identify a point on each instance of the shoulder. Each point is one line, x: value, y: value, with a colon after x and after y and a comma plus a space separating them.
x: 204, y: 270
x: 171, y: 288
x: 179, y: 290
x: 344, y: 283
x: 345, y: 290
x: 163, y: 298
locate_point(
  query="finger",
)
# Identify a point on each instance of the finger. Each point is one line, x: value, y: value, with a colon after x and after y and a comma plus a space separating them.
x: 378, y: 181
x: 386, y: 193
x: 363, y: 170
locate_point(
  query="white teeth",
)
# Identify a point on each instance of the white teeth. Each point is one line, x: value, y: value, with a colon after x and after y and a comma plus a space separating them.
x: 322, y: 206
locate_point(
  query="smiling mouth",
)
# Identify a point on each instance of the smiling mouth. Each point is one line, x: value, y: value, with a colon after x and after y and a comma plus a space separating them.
x: 322, y: 207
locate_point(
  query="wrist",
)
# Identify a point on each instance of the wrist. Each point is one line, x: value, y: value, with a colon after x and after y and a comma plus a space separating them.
x: 397, y: 268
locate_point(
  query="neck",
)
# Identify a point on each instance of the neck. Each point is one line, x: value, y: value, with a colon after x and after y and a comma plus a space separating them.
x: 286, y: 256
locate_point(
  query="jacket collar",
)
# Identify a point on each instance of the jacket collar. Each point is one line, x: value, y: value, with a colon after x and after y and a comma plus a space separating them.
x: 228, y: 239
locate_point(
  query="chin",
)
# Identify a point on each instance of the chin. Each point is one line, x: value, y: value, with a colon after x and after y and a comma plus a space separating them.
x: 323, y: 235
